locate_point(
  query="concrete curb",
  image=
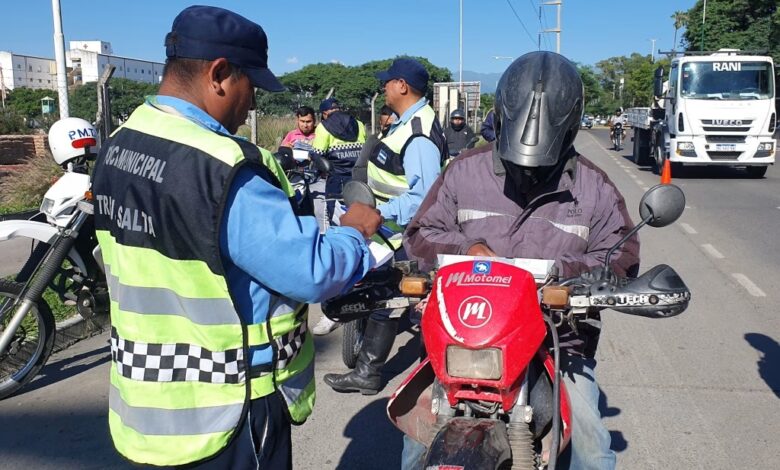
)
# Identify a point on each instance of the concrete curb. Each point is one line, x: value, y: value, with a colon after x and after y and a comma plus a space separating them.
x: 76, y: 328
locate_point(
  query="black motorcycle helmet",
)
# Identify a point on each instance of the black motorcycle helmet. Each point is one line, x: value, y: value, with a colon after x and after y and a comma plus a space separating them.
x: 539, y: 105
x: 618, y: 112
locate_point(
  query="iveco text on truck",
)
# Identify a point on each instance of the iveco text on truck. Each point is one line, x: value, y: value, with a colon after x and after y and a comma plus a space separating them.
x: 717, y: 108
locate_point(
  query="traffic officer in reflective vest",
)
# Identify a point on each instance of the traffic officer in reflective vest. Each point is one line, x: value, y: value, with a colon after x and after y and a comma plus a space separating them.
x: 402, y: 166
x: 209, y: 270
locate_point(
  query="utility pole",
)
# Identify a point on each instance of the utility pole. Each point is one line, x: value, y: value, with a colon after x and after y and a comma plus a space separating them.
x: 557, y: 29
x: 2, y: 85
x: 460, y: 68
x: 652, y: 51
x: 59, y: 57
x: 703, y: 19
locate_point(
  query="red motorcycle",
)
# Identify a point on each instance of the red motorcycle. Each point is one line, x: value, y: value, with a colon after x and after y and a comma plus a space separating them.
x: 489, y: 395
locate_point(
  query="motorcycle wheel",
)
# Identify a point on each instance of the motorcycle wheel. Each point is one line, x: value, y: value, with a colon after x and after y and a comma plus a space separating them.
x: 352, y: 341
x: 31, y: 345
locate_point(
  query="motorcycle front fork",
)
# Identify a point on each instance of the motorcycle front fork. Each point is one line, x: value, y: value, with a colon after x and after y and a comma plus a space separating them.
x: 39, y: 281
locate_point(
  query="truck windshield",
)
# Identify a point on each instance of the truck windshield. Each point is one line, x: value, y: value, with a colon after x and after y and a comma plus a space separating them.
x: 727, y: 80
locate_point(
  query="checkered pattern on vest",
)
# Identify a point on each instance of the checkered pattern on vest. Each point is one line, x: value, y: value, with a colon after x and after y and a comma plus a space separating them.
x: 288, y: 346
x: 155, y: 362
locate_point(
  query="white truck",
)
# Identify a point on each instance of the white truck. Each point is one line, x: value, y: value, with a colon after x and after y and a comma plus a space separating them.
x: 716, y: 108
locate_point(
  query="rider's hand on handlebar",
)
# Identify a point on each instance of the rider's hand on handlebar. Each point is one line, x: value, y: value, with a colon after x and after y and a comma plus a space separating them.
x: 365, y: 219
x: 480, y: 249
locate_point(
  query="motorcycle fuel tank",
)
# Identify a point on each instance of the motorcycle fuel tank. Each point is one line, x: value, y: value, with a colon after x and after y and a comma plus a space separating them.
x: 481, y: 327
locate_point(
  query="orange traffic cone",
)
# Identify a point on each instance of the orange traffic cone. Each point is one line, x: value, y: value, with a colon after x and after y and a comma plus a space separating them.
x: 666, y: 173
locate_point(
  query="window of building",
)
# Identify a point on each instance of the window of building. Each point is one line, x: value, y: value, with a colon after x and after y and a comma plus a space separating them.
x: 19, y: 66
x: 39, y: 69
x: 136, y: 70
x: 29, y: 68
x: 49, y: 81
x: 142, y: 71
x: 40, y: 81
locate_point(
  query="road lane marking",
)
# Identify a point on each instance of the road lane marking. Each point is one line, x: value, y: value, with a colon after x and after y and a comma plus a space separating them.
x: 688, y: 228
x: 712, y: 251
x: 645, y: 188
x: 752, y: 289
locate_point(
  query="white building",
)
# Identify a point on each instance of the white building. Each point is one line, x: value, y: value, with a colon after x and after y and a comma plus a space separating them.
x: 91, y: 57
x: 27, y: 71
x: 85, y: 61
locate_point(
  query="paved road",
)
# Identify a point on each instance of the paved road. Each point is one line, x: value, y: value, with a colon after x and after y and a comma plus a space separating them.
x: 701, y: 390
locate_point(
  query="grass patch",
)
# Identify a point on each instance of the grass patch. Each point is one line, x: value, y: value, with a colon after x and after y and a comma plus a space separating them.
x: 24, y: 189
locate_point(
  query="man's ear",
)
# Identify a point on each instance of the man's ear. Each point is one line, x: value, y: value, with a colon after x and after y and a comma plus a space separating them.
x: 218, y: 72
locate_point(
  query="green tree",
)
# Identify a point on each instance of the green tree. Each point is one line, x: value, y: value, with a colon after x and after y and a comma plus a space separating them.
x: 83, y: 101
x: 354, y: 86
x: 26, y: 102
x: 736, y: 24
x: 486, y: 102
x: 680, y: 21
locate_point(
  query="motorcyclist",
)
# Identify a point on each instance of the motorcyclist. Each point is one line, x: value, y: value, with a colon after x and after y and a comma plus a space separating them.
x: 532, y: 195
x: 459, y: 134
x: 619, y: 117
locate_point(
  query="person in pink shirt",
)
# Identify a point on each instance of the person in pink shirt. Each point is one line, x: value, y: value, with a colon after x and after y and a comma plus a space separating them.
x: 304, y: 133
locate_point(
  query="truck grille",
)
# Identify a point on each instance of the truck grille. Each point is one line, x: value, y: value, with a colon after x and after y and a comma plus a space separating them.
x: 725, y: 139
x: 724, y: 155
x: 726, y: 125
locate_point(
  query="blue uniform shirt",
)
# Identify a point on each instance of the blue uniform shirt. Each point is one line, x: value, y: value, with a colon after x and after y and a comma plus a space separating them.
x: 422, y: 166
x: 283, y: 253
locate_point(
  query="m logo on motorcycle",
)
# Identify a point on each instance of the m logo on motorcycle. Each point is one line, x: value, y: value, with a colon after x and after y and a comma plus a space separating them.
x: 475, y: 312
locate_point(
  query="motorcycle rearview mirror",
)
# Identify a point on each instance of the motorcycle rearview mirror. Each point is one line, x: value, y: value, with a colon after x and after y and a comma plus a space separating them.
x: 285, y: 158
x: 323, y: 165
x: 357, y: 191
x: 660, y: 206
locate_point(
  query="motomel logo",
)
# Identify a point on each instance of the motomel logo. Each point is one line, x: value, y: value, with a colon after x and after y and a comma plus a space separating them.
x: 727, y: 122
x: 475, y: 312
x: 464, y: 279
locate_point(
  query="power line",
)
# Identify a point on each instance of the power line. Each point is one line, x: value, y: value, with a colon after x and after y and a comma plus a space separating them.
x: 546, y: 26
x: 521, y: 22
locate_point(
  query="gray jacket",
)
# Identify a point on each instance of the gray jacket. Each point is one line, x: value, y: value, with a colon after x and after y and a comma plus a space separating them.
x: 574, y: 220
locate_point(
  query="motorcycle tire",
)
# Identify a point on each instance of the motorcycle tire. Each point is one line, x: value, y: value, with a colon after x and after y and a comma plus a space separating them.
x: 352, y: 341
x: 32, y: 344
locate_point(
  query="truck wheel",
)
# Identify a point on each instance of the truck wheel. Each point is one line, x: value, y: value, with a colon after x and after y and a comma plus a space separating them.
x: 659, y: 159
x: 756, y: 171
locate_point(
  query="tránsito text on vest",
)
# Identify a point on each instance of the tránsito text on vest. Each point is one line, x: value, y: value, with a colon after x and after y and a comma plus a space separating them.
x: 126, y: 218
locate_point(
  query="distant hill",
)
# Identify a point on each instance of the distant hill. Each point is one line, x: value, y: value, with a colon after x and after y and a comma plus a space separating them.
x: 489, y: 80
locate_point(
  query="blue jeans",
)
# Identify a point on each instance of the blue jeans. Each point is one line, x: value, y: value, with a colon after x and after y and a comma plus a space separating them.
x: 590, y: 440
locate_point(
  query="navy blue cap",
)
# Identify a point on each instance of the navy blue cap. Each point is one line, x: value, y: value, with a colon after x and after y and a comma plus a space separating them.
x: 410, y: 70
x: 210, y: 33
x: 458, y: 113
x: 328, y: 104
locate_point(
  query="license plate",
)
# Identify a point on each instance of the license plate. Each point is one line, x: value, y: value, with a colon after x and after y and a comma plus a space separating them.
x: 726, y: 147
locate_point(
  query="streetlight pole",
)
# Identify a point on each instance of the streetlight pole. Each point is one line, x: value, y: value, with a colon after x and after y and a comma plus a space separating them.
x: 460, y: 68
x: 703, y: 19
x: 59, y: 57
x: 652, y: 51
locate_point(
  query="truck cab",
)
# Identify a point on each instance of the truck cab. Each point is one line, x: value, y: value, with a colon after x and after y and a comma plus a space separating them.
x: 720, y: 110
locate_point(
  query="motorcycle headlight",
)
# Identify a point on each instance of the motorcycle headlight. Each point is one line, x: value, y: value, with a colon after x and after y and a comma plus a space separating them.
x: 486, y: 364
x: 47, y: 205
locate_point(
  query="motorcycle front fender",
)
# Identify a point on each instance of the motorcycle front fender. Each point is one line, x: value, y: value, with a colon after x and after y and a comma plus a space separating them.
x: 43, y: 232
x: 410, y: 406
x: 470, y: 443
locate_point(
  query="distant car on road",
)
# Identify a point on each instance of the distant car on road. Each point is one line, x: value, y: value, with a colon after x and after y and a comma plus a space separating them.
x: 603, y: 122
x: 586, y: 123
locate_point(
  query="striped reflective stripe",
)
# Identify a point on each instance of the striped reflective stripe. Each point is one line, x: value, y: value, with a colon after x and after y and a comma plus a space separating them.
x: 161, y: 301
x: 579, y: 230
x: 464, y: 215
x: 385, y: 188
x: 282, y: 306
x: 293, y: 388
x: 174, y: 422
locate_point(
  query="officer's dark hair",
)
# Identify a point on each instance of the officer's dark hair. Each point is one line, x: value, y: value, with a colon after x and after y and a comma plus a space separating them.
x: 187, y: 70
x: 305, y: 111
